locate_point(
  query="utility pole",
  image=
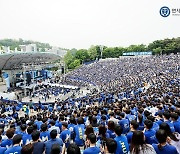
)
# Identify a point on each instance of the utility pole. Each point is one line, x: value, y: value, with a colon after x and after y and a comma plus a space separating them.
x: 101, y: 49
x: 64, y: 69
x: 32, y: 66
x: 24, y: 67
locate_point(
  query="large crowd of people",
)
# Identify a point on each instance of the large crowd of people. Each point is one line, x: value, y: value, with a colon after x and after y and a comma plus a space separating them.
x: 136, y: 109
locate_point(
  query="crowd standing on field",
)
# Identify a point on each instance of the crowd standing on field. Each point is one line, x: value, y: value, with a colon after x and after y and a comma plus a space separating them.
x: 136, y: 109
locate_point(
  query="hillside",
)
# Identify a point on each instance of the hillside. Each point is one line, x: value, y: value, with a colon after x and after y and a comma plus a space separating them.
x: 15, y: 43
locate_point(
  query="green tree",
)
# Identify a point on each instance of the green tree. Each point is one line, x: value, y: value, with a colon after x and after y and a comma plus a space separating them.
x: 82, y: 55
x: 68, y: 58
x: 137, y: 48
x: 157, y: 51
x: 76, y: 63
x: 93, y: 54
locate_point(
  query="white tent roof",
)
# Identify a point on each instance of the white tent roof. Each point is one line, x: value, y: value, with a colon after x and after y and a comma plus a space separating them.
x: 15, y: 60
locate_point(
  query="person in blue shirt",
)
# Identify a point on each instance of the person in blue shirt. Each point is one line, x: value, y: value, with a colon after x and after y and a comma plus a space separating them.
x: 133, y: 127
x: 59, y: 123
x: 155, y: 126
x: 8, y: 142
x: 129, y: 116
x: 16, y: 145
x: 79, y: 131
x: 149, y: 132
x: 44, y: 135
x: 23, y: 129
x: 50, y: 108
x: 27, y: 137
x: 52, y: 123
x: 65, y: 134
x: 110, y: 130
x: 121, y: 140
x: 176, y: 123
x: 166, y: 116
x: 2, y: 149
x: 141, y: 122
x: 71, y: 126
x: 53, y: 140
x: 163, y: 147
x: 173, y: 138
x: 103, y: 120
x: 159, y: 118
x: 91, y: 144
x: 39, y: 146
x: 124, y: 123
x: 38, y: 122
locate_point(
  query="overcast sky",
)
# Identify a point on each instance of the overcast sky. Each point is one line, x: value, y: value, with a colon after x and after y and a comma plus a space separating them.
x: 82, y: 23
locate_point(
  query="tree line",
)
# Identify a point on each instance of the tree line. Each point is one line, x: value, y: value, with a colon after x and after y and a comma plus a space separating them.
x: 74, y: 58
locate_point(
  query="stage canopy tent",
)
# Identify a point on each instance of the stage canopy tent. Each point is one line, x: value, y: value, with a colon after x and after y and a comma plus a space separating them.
x: 16, y: 60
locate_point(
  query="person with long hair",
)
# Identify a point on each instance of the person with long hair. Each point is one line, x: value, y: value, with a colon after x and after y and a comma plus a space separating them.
x: 89, y: 130
x: 163, y: 147
x: 102, y: 133
x: 173, y: 138
x: 138, y: 145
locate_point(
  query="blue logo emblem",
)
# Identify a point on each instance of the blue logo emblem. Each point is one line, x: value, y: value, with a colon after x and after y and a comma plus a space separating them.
x: 164, y: 11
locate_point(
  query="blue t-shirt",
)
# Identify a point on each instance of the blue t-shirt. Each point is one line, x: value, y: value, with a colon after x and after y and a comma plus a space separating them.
x: 130, y: 117
x: 159, y: 122
x: 170, y: 125
x: 150, y: 136
x: 124, y: 123
x: 26, y: 139
x: 96, y: 130
x: 39, y: 147
x: 45, y: 136
x: 79, y: 133
x: 7, y: 143
x: 21, y: 133
x: 71, y: 129
x: 92, y: 150
x: 141, y: 126
x: 50, y: 109
x: 167, y: 149
x: 111, y: 134
x: 38, y: 123
x: 155, y: 126
x: 65, y: 136
x: 48, y: 144
x: 129, y: 136
x: 58, y: 124
x: 14, y: 150
x: 177, y: 126
x: 2, y: 150
x: 122, y: 145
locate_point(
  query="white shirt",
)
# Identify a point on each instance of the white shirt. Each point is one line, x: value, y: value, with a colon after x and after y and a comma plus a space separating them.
x: 54, y: 127
x: 114, y: 120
